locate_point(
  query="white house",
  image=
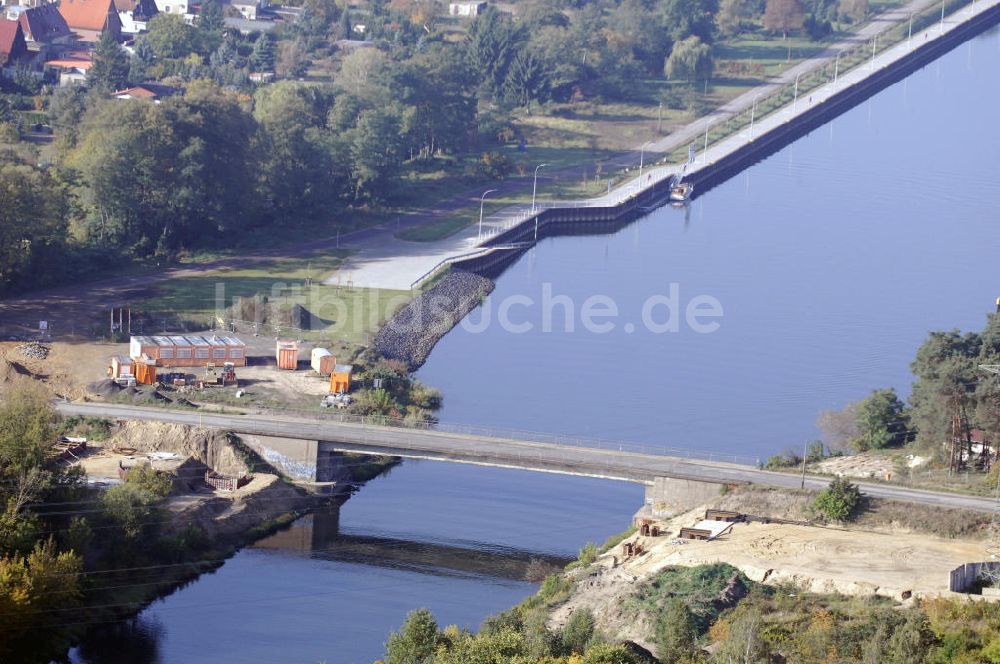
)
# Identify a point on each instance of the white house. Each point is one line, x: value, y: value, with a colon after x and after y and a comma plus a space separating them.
x: 175, y: 7
x: 251, y: 9
x: 466, y: 8
x: 135, y: 14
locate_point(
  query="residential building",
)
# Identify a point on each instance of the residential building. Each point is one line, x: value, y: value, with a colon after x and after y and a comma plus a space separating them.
x: 135, y: 14
x: 72, y: 68
x: 44, y: 27
x: 154, y: 92
x: 466, y: 8
x: 250, y: 9
x: 179, y: 7
x: 13, y: 48
x: 88, y: 19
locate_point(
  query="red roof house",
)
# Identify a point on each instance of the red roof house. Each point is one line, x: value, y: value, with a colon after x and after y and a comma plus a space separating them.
x: 89, y: 18
x: 12, y: 44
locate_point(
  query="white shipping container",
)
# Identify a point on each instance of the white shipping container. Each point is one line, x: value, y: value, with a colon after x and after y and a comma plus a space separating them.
x: 322, y: 361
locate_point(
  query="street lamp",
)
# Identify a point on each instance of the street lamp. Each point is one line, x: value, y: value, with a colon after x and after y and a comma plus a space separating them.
x: 534, y: 187
x: 836, y: 66
x: 482, y: 202
x: 753, y: 112
x: 704, y: 151
x: 642, y: 154
x: 909, y: 34
x: 795, y: 101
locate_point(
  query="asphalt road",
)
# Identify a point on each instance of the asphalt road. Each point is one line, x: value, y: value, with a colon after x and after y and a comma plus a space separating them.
x: 530, y: 455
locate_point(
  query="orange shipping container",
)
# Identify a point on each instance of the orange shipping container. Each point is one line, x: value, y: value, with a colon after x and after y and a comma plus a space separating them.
x: 287, y: 354
x: 340, y: 379
x: 145, y: 373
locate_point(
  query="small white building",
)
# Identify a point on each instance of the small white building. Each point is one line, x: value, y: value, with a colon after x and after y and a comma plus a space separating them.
x: 251, y: 9
x: 135, y: 14
x: 466, y: 8
x: 179, y: 7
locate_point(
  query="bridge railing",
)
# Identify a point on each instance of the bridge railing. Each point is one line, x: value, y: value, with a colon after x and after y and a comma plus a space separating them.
x: 522, y: 435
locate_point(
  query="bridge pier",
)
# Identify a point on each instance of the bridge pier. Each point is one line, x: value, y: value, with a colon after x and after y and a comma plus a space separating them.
x: 299, y: 460
x: 667, y: 496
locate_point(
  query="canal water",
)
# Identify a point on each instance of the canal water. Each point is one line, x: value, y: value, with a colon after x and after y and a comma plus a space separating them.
x: 830, y: 261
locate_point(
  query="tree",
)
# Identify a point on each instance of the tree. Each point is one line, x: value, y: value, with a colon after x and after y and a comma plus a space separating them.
x: 947, y: 372
x: 578, y: 631
x: 159, y: 177
x: 784, y: 16
x: 376, y: 151
x: 690, y: 18
x: 690, y: 59
x: 731, y: 15
x: 605, y: 653
x: 492, y: 43
x: 291, y: 61
x: 211, y: 19
x: 33, y: 211
x: 880, y: 421
x: 853, y: 10
x: 35, y: 590
x: 911, y: 641
x: 415, y: 641
x: 676, y: 632
x: 264, y: 52
x: 171, y: 37
x: 146, y: 477
x: 131, y: 507
x: 111, y: 64
x: 526, y: 80
x: 344, y: 28
x: 743, y: 642
x: 838, y: 501
x: 839, y: 427
x: 141, y: 62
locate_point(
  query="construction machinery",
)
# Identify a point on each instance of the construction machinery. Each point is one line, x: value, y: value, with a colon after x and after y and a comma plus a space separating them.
x: 220, y: 376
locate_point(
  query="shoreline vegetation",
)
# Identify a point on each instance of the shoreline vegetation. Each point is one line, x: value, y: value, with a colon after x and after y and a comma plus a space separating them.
x: 75, y: 555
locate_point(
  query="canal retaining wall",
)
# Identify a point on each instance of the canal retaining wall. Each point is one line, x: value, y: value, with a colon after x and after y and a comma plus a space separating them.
x: 580, y: 219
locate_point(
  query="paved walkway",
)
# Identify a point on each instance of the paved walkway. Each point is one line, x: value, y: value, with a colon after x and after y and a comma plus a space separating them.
x: 381, y: 260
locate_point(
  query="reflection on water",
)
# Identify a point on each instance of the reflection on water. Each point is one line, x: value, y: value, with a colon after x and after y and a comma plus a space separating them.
x: 465, y: 541
x: 318, y: 536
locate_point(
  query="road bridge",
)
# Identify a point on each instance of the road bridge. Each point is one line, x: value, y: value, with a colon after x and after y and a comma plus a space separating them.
x: 312, y: 439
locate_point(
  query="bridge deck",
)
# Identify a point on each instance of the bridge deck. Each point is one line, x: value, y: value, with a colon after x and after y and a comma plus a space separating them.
x: 527, y: 455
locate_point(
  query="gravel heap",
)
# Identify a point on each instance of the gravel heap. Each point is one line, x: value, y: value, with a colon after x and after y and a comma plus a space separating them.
x: 34, y: 350
x: 411, y: 334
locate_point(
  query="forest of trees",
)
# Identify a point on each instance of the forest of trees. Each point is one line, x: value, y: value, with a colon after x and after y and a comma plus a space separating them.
x: 53, y: 528
x: 949, y: 384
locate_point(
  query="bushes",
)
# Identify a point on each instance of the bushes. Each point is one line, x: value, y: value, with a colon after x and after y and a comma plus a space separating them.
x: 578, y: 631
x: 838, y: 501
x: 676, y: 632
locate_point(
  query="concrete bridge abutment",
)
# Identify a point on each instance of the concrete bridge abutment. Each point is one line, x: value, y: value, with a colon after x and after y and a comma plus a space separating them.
x: 667, y: 496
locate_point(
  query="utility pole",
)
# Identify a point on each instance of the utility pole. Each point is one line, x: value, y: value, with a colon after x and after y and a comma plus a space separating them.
x: 993, y: 539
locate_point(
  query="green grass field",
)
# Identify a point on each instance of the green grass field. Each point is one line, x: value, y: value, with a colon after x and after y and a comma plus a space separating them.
x: 346, y: 315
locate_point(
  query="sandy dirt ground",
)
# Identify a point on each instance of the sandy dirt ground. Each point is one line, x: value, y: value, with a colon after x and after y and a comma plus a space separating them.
x: 858, y: 465
x: 67, y: 369
x: 824, y: 559
x: 70, y: 367
x: 292, y: 383
x: 101, y: 463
